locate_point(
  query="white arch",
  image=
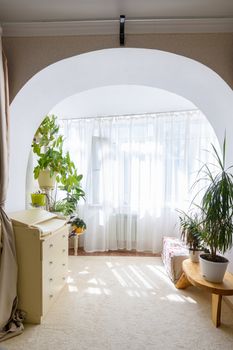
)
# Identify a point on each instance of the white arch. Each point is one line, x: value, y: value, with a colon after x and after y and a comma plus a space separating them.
x: 154, y: 68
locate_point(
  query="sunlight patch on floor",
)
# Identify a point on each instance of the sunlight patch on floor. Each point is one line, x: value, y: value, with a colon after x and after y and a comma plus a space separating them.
x: 84, y: 272
x: 91, y: 290
x: 98, y: 291
x: 119, y: 278
x: 92, y: 281
x: 133, y: 293
x: 175, y: 297
x: 101, y: 282
x: 109, y: 264
x: 159, y: 274
x: 190, y: 300
x: 131, y: 278
x: 178, y: 298
x: 70, y: 280
x: 72, y: 289
x: 142, y: 279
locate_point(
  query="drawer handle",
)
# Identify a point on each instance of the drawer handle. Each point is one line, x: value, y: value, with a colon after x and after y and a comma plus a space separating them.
x: 63, y: 264
x: 51, y: 262
x: 63, y: 250
x: 51, y: 245
x: 50, y: 280
x: 51, y: 295
x: 63, y: 278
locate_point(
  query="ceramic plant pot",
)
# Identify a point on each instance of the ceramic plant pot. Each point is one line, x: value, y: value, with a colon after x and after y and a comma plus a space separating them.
x: 213, y: 271
x: 45, y: 181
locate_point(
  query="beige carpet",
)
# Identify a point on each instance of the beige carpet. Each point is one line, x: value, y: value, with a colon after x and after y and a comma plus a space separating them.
x: 119, y: 303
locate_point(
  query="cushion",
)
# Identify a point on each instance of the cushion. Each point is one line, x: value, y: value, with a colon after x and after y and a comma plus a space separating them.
x: 173, y: 253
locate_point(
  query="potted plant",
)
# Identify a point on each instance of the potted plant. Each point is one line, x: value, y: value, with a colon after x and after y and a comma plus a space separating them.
x: 53, y: 164
x: 191, y: 234
x: 70, y: 184
x: 216, y: 216
x: 38, y: 199
x: 77, y: 224
x: 47, y: 145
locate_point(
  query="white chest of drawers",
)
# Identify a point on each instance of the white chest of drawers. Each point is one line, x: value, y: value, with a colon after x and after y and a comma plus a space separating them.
x: 42, y: 255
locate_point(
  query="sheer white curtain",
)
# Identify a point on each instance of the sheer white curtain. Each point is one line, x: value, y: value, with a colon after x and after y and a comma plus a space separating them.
x: 137, y: 171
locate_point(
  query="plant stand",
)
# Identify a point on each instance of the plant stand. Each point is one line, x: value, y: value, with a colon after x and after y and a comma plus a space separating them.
x: 48, y: 194
x: 76, y: 237
x: 76, y: 245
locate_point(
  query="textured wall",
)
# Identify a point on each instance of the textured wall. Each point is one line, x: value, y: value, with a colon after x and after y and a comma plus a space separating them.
x: 28, y: 55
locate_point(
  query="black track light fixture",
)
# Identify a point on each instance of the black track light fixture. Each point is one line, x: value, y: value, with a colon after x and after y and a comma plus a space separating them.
x: 122, y: 30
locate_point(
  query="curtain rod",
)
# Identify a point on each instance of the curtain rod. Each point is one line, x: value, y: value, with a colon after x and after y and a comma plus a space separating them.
x: 131, y: 115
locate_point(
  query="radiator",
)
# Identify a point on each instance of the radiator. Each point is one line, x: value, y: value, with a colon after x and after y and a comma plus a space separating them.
x: 124, y: 224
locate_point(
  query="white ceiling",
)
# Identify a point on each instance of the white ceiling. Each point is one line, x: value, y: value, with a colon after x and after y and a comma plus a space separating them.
x: 73, y: 10
x: 120, y: 100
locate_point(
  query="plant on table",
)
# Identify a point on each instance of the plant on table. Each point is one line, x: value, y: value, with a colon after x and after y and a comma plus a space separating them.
x: 191, y: 233
x: 217, y: 213
x: 217, y: 208
x: 77, y: 224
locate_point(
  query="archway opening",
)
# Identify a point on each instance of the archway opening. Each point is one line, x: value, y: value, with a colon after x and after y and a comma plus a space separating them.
x: 143, y: 67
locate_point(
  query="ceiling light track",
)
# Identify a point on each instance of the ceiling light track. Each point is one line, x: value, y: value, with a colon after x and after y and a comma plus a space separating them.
x: 122, y: 30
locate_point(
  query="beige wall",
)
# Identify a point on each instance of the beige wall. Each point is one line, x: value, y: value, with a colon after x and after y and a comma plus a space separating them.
x: 28, y: 55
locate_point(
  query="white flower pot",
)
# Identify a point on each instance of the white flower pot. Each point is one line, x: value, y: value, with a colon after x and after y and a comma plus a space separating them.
x: 45, y: 181
x: 213, y: 271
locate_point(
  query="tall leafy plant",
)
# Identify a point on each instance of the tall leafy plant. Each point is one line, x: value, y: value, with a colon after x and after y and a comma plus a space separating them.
x: 217, y: 206
x: 48, y: 146
x: 70, y: 183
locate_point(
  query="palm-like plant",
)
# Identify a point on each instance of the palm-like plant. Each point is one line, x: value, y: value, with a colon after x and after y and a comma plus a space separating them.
x: 217, y: 207
x: 191, y: 230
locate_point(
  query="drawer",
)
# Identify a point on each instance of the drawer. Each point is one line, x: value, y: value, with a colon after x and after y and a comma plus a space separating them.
x: 60, y: 235
x: 55, y: 250
x: 53, y: 263
x: 55, y: 260
x: 52, y: 288
x: 55, y: 267
x: 54, y: 246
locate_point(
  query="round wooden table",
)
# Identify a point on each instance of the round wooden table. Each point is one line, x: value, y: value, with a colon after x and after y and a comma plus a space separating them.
x: 192, y: 276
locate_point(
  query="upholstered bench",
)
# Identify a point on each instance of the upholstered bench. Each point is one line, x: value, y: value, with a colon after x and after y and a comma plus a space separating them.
x: 173, y: 253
